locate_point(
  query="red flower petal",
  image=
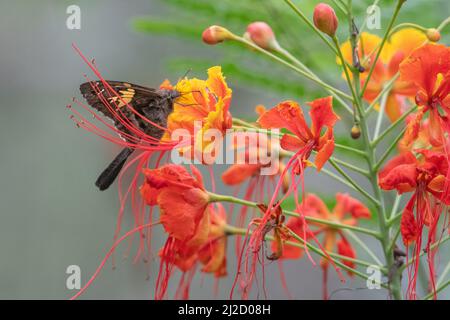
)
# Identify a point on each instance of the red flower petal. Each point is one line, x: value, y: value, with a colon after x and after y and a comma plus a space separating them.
x: 399, y: 173
x: 408, y: 224
x: 289, y: 115
x: 345, y: 249
x: 352, y: 206
x: 238, y: 173
x: 291, y: 143
x: 325, y: 149
x: 322, y: 115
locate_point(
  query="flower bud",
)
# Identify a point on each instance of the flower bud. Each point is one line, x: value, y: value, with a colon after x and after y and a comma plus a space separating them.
x: 262, y: 35
x: 356, y: 131
x: 433, y: 35
x: 325, y: 19
x: 216, y: 34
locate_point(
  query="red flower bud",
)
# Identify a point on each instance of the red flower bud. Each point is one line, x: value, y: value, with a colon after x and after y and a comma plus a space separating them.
x: 216, y: 34
x: 262, y: 35
x: 433, y: 35
x: 325, y: 19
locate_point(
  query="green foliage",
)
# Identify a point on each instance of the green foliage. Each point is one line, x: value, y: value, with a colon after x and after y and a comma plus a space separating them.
x: 188, y: 18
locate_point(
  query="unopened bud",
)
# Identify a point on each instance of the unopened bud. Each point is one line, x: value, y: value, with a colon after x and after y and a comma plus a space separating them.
x: 356, y: 131
x: 216, y: 34
x: 433, y: 35
x: 325, y: 19
x: 262, y: 35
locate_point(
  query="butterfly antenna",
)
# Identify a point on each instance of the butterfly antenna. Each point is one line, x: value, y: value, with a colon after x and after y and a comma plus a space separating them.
x: 184, y: 76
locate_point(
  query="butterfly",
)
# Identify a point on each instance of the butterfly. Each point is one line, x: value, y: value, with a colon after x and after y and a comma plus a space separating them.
x: 153, y: 104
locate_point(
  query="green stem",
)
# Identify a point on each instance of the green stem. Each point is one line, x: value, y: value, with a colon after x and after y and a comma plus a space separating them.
x: 293, y: 67
x: 352, y: 182
x: 391, y: 23
x: 394, y: 239
x: 347, y: 75
x: 363, y: 246
x: 389, y: 149
x: 432, y: 246
x: 407, y: 25
x: 439, y: 289
x: 394, y: 286
x: 338, y: 263
x: 387, y: 87
x: 231, y: 230
x: 225, y: 198
x: 444, y: 24
x: 347, y: 148
x: 311, y: 25
x: 340, y: 7
x: 380, y: 115
x: 243, y: 123
x: 444, y: 274
x: 294, y: 60
x: 334, y: 161
x: 393, y: 126
x: 350, y: 166
x: 364, y: 24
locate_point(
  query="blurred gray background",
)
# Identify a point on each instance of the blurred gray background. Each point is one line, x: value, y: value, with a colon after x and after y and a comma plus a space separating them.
x: 52, y: 215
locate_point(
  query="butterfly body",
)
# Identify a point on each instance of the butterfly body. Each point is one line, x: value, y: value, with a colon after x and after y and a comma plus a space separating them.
x: 148, y: 107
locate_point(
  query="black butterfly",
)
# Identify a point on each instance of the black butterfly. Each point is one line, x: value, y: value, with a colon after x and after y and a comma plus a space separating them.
x: 153, y: 104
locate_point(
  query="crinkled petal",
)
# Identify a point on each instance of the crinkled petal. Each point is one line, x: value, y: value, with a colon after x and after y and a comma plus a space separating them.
x: 408, y: 224
x: 352, y: 206
x: 238, y: 173
x: 322, y: 115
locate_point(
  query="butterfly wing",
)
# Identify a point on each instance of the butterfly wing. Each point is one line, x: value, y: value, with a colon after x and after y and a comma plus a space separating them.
x: 141, y: 99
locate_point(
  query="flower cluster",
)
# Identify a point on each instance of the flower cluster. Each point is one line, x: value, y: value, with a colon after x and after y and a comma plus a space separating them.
x: 405, y: 76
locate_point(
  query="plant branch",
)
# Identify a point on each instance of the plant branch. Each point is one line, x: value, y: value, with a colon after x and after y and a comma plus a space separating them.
x: 390, y: 25
x: 393, y: 126
x: 310, y: 24
x: 291, y: 66
x: 389, y: 149
x: 225, y: 198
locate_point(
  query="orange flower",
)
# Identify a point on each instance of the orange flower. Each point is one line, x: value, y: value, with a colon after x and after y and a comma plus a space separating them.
x: 205, y: 102
x: 213, y: 254
x: 426, y: 177
x: 289, y: 115
x: 427, y: 69
x: 196, y: 229
x: 396, y: 49
x: 346, y: 211
x: 207, y: 249
x: 249, y: 151
x: 181, y: 197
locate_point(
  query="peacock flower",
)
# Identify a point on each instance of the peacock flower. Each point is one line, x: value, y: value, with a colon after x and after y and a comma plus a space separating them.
x: 303, y: 139
x: 346, y: 211
x: 249, y: 150
x: 181, y: 197
x: 212, y: 255
x: 196, y: 229
x: 398, y: 47
x: 427, y: 70
x: 205, y: 249
x: 203, y: 103
x: 425, y: 176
